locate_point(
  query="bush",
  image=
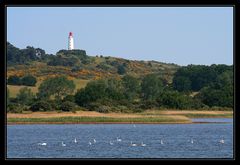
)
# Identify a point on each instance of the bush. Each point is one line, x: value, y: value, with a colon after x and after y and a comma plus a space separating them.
x: 14, y: 80
x: 15, y: 108
x: 68, y: 106
x: 29, y: 80
x: 25, y: 96
x: 103, y: 109
x: 40, y: 106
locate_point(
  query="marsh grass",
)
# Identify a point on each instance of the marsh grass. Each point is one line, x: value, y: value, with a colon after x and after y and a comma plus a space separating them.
x: 98, y: 119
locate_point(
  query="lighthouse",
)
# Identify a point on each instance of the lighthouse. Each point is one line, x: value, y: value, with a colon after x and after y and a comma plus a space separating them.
x: 70, y: 41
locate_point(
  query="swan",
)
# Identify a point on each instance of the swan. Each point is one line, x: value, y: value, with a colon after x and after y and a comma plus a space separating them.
x: 63, y: 144
x: 142, y: 144
x: 75, y: 140
x: 221, y: 141
x: 111, y: 143
x: 42, y: 144
x: 192, y: 141
x: 119, y: 140
x: 161, y: 141
x: 94, y: 141
x: 133, y: 144
x: 89, y: 143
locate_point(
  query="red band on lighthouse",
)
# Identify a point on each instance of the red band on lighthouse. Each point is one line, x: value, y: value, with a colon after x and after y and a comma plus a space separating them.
x: 70, y: 34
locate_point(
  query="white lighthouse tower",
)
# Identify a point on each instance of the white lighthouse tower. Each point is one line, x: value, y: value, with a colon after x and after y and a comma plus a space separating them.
x: 70, y: 41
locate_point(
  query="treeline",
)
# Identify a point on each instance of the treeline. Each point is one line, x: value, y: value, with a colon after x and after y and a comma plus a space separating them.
x: 24, y: 56
x: 131, y: 94
x: 62, y: 57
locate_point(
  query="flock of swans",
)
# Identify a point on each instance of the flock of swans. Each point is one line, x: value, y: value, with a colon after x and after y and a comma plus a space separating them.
x: 119, y: 140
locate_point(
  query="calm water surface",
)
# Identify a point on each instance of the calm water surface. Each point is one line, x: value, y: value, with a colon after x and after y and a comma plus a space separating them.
x: 23, y: 140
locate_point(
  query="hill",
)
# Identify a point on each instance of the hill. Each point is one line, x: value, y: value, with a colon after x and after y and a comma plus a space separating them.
x: 78, y: 66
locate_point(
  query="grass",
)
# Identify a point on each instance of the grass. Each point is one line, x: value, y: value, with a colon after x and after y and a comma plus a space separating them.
x: 98, y: 120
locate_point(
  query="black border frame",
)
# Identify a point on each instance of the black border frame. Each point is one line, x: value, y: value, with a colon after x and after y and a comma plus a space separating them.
x: 204, y: 3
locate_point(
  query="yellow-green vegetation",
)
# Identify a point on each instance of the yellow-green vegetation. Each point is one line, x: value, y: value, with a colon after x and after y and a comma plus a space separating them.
x: 159, y: 119
x: 80, y: 83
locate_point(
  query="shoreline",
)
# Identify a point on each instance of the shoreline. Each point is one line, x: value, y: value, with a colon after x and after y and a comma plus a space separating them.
x: 148, y: 117
x: 32, y: 123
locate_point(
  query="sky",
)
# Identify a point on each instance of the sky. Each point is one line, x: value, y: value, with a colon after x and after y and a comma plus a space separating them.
x: 180, y: 35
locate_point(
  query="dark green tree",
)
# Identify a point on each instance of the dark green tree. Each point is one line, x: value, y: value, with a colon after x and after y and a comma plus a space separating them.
x: 57, y: 87
x: 151, y: 87
x: 131, y: 87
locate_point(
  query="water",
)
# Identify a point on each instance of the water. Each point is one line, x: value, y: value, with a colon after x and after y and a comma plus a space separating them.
x: 22, y: 140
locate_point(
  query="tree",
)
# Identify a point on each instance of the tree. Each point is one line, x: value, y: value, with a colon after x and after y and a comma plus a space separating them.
x: 25, y: 96
x: 151, y: 87
x: 181, y: 83
x: 29, y: 80
x: 93, y: 91
x: 57, y: 87
x: 14, y: 80
x: 131, y: 87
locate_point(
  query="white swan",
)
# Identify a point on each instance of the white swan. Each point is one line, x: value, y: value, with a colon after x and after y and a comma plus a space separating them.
x: 161, y: 141
x: 119, y: 140
x: 133, y: 144
x: 111, y: 143
x: 75, y: 140
x: 63, y: 144
x: 89, y: 143
x: 192, y: 141
x: 142, y: 144
x: 94, y: 141
x: 221, y: 141
x: 42, y: 144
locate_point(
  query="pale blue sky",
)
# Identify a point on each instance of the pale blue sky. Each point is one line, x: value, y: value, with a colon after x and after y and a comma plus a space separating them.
x: 180, y: 35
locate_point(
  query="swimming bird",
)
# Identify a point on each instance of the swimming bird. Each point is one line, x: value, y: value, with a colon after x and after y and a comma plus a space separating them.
x: 111, y: 143
x: 192, y: 141
x: 161, y: 141
x: 94, y: 141
x: 119, y: 140
x: 133, y: 144
x: 63, y: 144
x: 89, y: 143
x: 142, y: 144
x: 221, y: 141
x: 75, y: 140
x: 42, y: 144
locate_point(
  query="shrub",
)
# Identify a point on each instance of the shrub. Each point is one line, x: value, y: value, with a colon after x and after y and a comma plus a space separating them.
x: 29, y: 80
x: 68, y: 106
x: 15, y: 108
x: 40, y: 106
x: 14, y: 80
